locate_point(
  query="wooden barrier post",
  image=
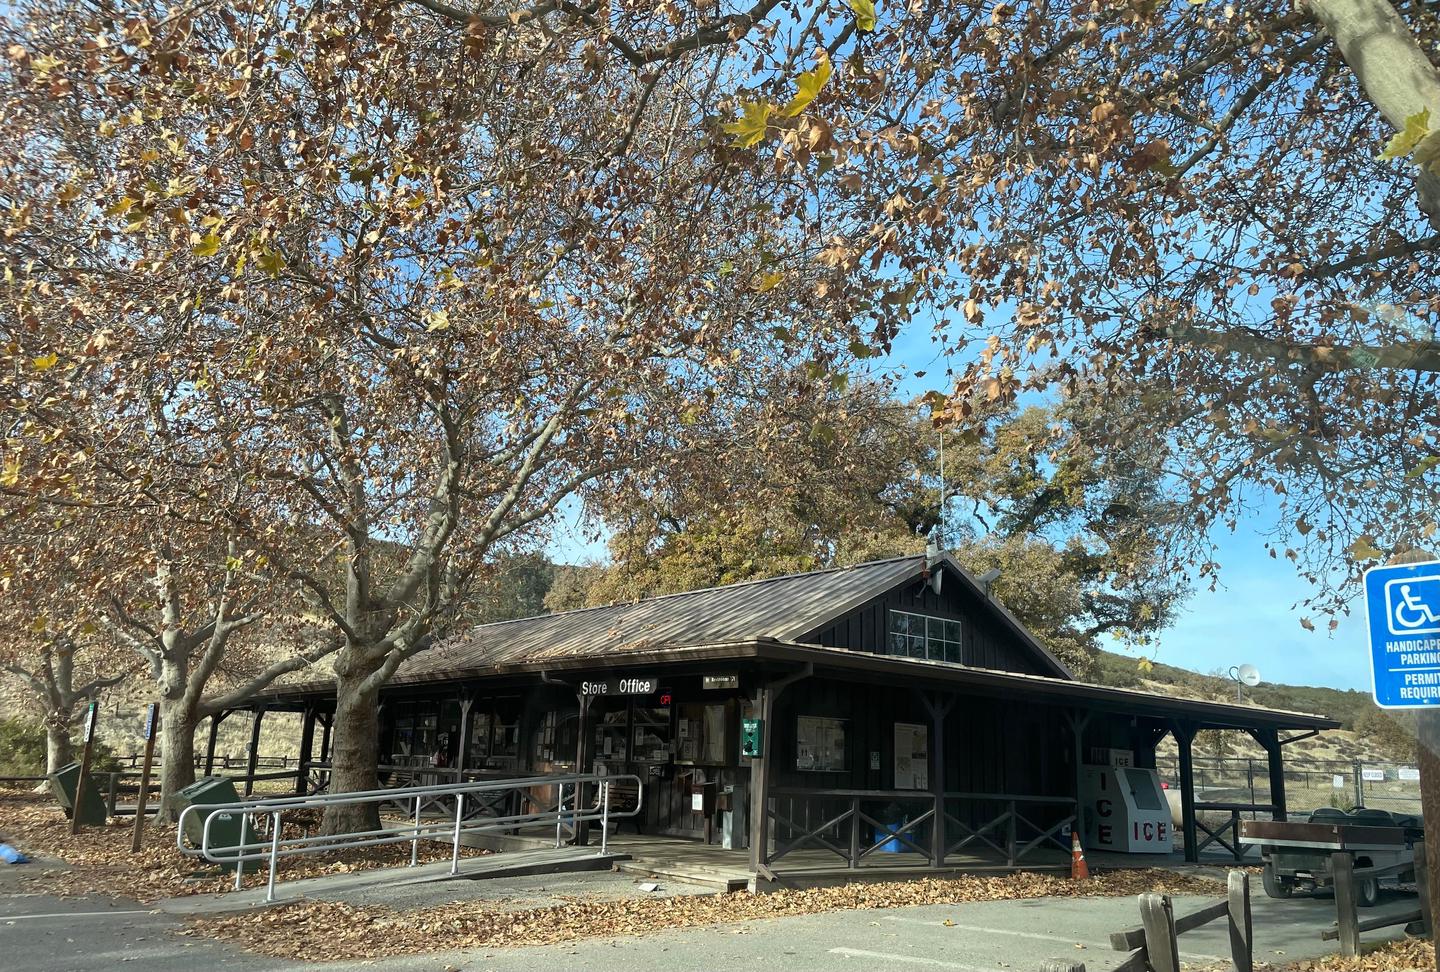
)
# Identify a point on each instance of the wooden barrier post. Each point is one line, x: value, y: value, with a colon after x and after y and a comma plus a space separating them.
x: 1242, y: 933
x: 1347, y: 919
x: 152, y: 723
x: 91, y: 715
x: 1158, y: 917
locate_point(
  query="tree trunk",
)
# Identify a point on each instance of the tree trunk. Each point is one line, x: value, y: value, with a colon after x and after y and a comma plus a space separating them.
x: 59, y: 748
x: 355, y: 752
x: 177, y: 755
x: 1430, y: 810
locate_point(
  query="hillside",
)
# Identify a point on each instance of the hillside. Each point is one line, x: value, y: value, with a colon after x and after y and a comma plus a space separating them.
x: 1367, y: 731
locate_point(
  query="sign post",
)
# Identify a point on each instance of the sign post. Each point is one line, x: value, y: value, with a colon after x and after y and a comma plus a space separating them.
x: 91, y: 714
x: 152, y: 723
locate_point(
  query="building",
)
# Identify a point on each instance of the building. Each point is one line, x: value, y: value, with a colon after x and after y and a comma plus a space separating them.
x: 890, y: 706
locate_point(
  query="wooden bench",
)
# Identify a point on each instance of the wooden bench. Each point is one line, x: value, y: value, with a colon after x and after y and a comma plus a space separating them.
x: 625, y: 798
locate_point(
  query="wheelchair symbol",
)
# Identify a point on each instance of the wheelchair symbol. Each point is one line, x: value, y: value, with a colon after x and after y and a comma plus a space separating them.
x: 1412, y: 605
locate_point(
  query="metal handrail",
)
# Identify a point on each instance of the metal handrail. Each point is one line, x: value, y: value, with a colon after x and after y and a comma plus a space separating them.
x: 277, y: 847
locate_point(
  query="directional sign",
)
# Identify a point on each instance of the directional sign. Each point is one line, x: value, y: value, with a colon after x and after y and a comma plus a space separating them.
x: 1402, y: 608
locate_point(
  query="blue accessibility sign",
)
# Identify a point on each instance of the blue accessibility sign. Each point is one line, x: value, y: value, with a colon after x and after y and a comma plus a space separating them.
x: 1402, y: 609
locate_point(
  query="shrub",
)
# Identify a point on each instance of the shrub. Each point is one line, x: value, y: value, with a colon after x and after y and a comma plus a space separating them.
x: 22, y: 748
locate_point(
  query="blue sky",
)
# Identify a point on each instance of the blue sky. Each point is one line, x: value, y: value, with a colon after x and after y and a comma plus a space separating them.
x: 1253, y: 614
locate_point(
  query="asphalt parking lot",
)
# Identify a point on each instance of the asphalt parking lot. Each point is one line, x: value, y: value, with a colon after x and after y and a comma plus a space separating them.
x: 43, y: 933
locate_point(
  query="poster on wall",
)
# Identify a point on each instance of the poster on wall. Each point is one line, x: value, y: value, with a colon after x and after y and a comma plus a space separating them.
x: 912, y: 756
x: 819, y: 744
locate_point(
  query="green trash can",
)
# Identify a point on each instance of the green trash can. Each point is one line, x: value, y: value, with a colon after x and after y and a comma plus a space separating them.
x: 225, y: 830
x: 92, y: 804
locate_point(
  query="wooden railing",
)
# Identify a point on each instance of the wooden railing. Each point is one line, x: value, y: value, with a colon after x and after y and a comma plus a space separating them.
x: 856, y: 825
x: 1347, y: 877
x: 1231, y: 826
x: 1154, y: 945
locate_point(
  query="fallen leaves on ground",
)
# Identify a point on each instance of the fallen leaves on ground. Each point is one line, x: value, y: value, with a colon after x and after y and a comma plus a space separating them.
x: 345, y: 932
x: 100, y: 860
x: 1413, y: 953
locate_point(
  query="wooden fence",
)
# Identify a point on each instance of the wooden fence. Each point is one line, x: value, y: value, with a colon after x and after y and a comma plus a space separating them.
x: 1348, y: 927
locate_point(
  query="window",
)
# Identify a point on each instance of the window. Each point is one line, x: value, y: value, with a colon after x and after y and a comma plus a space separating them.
x: 820, y: 744
x: 923, y: 636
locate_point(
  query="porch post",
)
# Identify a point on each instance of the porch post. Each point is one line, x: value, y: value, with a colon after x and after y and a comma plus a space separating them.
x: 215, y: 721
x: 462, y: 751
x: 1078, y: 721
x: 1184, y: 733
x: 254, y: 755
x: 760, y: 784
x: 1270, y: 739
x: 584, y: 758
x: 307, y: 744
x: 937, y: 710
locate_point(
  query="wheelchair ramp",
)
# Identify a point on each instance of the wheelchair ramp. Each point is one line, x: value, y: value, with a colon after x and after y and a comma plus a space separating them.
x: 334, y: 887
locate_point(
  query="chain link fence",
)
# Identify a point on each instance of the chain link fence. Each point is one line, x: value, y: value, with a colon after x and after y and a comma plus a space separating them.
x: 1309, y: 784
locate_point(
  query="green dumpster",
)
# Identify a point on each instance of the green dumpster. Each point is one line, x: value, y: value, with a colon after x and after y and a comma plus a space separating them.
x: 92, y: 805
x: 225, y: 829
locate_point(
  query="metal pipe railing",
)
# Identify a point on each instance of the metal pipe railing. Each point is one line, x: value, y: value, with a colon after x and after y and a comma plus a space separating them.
x: 278, y: 846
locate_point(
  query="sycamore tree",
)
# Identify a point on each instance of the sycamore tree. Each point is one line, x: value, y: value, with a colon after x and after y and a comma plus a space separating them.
x: 57, y: 644
x: 400, y: 289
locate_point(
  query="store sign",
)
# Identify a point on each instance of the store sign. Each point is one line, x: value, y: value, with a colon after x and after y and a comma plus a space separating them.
x: 620, y: 686
x: 712, y: 682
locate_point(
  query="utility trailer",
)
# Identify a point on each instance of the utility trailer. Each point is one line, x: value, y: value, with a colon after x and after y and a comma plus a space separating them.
x: 1296, y: 855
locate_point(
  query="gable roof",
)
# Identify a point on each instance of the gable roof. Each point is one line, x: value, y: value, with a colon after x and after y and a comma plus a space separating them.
x: 780, y: 609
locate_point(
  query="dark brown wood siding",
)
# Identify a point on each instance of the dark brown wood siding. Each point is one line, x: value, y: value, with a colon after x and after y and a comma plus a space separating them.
x: 987, y: 642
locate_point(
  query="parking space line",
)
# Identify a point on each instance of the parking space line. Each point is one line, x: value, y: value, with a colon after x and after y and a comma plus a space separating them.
x: 1037, y: 936
x: 71, y: 914
x: 906, y: 959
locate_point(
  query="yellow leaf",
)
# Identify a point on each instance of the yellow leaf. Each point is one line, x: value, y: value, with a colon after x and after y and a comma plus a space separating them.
x: 1145, y: 666
x: 209, y: 245
x: 749, y: 130
x: 121, y: 206
x: 10, y: 475
x: 807, y: 86
x: 271, y: 262
x: 864, y: 13
x: 234, y: 563
x: 1417, y: 126
x: 768, y: 281
x: 439, y: 321
x: 46, y: 362
x: 1364, y: 549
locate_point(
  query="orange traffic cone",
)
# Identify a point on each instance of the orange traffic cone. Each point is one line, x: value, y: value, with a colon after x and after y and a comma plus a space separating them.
x: 1079, y: 870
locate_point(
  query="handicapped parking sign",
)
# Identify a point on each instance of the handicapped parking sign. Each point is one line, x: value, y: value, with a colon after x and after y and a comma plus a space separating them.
x: 1402, y: 608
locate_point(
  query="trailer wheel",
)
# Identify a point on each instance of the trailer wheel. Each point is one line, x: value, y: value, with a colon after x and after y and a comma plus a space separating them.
x: 1367, y: 892
x: 1275, y: 885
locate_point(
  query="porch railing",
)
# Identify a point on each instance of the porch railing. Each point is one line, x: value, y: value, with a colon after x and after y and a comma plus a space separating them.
x: 858, y: 825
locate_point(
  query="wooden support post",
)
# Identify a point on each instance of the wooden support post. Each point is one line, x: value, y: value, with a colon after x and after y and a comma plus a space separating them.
x: 1429, y: 752
x: 1158, y: 918
x: 462, y: 751
x: 92, y: 715
x: 253, y: 757
x: 1184, y: 736
x: 584, y: 758
x: 1242, y: 931
x: 1422, y: 885
x: 215, y: 721
x: 329, y: 723
x: 937, y: 710
x: 1078, y: 722
x: 112, y: 792
x: 307, y: 744
x: 152, y: 729
x: 760, y: 783
x: 1347, y: 918
x: 1270, y: 740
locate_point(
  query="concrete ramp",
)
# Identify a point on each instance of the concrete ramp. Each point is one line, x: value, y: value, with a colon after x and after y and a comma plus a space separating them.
x: 334, y: 887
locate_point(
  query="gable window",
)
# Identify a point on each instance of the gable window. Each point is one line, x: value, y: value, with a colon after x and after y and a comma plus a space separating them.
x: 924, y: 636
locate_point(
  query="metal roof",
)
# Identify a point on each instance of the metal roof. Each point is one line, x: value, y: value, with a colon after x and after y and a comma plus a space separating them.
x: 779, y: 608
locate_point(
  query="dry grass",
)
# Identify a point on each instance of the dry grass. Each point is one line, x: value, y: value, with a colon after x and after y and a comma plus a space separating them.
x: 100, y: 860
